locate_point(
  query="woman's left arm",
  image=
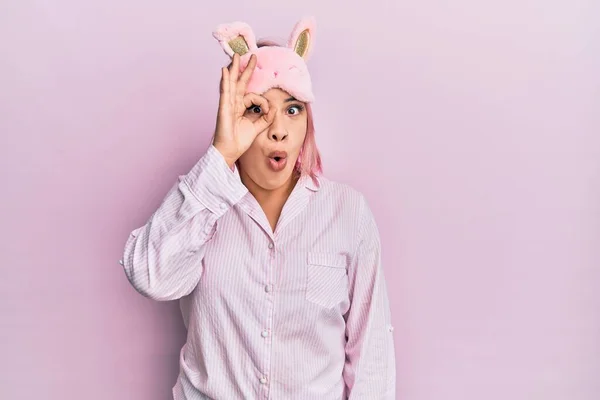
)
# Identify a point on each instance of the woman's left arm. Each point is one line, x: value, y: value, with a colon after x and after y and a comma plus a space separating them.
x: 370, y: 368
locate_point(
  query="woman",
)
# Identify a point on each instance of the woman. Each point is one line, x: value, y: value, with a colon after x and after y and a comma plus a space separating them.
x: 277, y: 268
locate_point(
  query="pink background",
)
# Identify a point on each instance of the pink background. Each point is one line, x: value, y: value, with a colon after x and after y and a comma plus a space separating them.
x: 480, y: 127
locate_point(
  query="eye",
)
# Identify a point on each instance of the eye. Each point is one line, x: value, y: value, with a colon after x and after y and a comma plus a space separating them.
x: 295, y: 109
x: 254, y: 109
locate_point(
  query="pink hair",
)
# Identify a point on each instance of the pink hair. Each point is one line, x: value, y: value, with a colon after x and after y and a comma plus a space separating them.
x: 309, y: 160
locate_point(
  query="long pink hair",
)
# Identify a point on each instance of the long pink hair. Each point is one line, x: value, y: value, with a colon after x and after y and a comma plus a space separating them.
x: 309, y: 160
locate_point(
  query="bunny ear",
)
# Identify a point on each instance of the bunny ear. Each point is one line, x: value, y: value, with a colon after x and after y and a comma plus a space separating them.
x: 302, y: 38
x: 236, y: 37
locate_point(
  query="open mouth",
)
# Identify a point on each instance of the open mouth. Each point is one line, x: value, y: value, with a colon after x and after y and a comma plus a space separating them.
x: 277, y: 155
x: 277, y: 160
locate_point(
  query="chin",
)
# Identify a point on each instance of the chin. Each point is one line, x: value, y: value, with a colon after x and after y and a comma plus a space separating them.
x: 262, y: 175
x: 272, y: 180
x: 269, y: 180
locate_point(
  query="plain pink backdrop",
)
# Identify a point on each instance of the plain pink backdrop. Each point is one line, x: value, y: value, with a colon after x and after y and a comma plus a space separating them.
x: 480, y: 123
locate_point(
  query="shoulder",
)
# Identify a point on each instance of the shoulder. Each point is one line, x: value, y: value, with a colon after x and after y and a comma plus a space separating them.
x: 339, y: 189
x: 345, y: 200
x: 343, y: 195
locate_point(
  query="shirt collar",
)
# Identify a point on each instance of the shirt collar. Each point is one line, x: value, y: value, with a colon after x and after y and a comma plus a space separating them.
x: 310, y: 183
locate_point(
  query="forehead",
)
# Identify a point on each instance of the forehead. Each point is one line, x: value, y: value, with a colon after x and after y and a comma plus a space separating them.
x: 277, y: 95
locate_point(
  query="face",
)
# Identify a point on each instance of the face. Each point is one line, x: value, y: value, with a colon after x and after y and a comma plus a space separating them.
x: 270, y: 160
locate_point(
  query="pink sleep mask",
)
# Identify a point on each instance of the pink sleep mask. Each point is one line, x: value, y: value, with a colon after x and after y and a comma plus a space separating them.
x: 277, y: 67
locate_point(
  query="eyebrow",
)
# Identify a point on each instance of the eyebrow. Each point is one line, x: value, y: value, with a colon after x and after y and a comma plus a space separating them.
x: 290, y: 99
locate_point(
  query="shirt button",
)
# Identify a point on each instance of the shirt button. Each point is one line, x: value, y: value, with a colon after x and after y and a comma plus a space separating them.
x: 264, y: 333
x: 267, y: 288
x: 391, y: 328
x: 121, y: 262
x: 270, y: 245
x: 263, y: 379
x: 223, y: 206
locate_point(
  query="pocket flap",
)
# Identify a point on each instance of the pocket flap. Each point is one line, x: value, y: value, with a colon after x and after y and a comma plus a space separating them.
x: 327, y: 259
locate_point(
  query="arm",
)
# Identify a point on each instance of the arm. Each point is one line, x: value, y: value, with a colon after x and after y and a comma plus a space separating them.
x: 163, y: 258
x: 370, y: 369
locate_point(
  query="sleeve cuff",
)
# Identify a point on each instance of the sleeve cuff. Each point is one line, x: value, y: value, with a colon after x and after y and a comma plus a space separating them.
x: 217, y: 186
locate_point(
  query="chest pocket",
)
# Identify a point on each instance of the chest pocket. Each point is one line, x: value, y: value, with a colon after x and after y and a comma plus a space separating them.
x: 327, y: 279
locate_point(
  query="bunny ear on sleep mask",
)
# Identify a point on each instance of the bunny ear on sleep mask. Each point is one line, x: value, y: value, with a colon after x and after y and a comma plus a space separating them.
x: 302, y: 38
x: 238, y: 37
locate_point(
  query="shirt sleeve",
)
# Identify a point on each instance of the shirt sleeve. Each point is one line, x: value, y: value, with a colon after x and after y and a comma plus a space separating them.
x: 370, y: 368
x: 163, y: 258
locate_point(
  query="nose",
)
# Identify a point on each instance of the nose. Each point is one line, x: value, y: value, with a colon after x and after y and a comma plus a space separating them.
x: 277, y: 131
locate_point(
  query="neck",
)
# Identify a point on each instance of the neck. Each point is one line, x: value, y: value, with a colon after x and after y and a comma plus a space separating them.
x: 270, y: 200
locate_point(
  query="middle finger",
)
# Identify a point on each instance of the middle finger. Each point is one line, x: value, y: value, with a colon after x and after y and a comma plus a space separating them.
x: 245, y: 75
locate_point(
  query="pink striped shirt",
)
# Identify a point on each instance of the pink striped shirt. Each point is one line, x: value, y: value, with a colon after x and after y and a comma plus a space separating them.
x: 298, y: 313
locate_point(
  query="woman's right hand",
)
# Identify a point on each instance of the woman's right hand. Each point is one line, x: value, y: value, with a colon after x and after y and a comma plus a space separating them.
x: 235, y: 132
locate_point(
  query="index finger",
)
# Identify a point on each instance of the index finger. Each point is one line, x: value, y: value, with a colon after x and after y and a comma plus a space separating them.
x: 245, y: 77
x: 251, y: 99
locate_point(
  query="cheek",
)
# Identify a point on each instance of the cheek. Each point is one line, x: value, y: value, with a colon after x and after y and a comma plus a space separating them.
x: 298, y: 132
